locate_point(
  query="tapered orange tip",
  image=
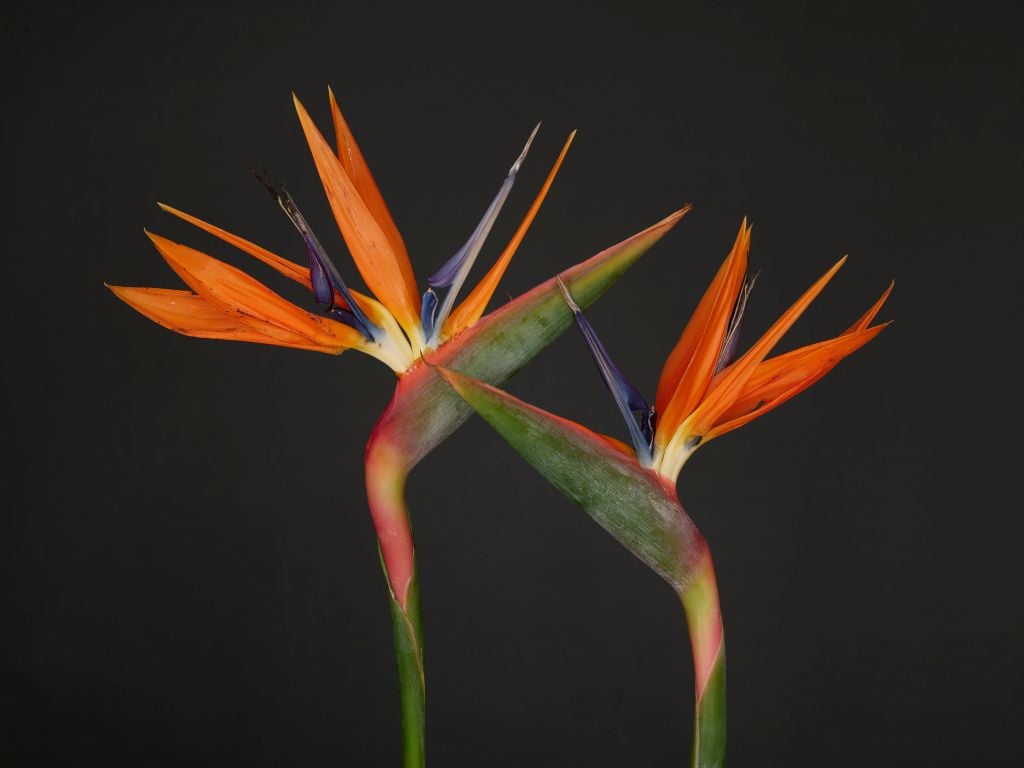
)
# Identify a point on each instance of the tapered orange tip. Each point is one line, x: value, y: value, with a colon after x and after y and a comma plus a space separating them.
x: 474, y: 305
x: 251, y: 302
x: 868, y: 316
x: 192, y: 315
x: 689, y: 369
x: 387, y: 273
x: 788, y: 375
x: 288, y: 268
x: 354, y: 164
x: 727, y: 387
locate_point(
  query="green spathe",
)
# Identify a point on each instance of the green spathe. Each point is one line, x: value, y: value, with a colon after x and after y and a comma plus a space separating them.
x: 640, y: 509
x: 632, y: 503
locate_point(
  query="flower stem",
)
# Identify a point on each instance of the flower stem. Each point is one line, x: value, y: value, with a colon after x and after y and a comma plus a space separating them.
x: 386, y: 470
x: 408, y: 631
x: 704, y: 618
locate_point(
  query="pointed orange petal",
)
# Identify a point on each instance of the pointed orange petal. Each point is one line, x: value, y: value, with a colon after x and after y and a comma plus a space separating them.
x: 730, y: 382
x: 388, y: 275
x: 300, y: 274
x: 868, y: 316
x: 681, y: 355
x: 191, y: 315
x: 472, y: 308
x: 788, y: 375
x: 697, y: 376
x: 286, y: 267
x: 358, y: 171
x: 251, y: 302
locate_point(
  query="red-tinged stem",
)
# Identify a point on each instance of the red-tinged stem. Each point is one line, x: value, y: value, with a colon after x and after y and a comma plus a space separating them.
x: 386, y: 470
x: 704, y: 618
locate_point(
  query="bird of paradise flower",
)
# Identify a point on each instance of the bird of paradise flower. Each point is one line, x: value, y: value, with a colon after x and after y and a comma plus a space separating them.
x: 396, y: 325
x: 703, y: 393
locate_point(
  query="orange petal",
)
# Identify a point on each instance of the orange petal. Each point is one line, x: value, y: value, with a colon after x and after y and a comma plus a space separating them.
x: 777, y: 380
x: 300, y: 274
x: 730, y: 382
x: 868, y: 316
x: 681, y: 355
x: 472, y: 308
x: 186, y: 313
x: 388, y: 274
x: 251, y: 302
x: 704, y: 350
x: 358, y: 171
x: 286, y: 267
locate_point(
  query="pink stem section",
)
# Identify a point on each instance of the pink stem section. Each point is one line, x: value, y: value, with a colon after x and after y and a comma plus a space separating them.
x: 704, y: 619
x: 386, y: 470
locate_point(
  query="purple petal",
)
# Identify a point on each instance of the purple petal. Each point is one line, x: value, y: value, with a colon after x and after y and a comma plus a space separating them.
x: 323, y: 275
x: 637, y: 413
x: 454, y: 272
x: 428, y: 312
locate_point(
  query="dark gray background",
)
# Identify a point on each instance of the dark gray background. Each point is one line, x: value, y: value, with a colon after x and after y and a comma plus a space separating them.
x: 189, y: 574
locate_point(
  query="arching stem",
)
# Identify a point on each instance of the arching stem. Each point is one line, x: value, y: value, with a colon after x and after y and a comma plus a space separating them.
x: 386, y: 470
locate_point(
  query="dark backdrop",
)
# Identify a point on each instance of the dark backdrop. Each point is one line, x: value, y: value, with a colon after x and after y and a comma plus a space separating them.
x: 189, y: 574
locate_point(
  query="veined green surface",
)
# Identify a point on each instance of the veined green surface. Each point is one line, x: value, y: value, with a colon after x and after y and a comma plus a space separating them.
x: 709, y: 720
x: 424, y: 410
x: 632, y: 503
x: 641, y: 510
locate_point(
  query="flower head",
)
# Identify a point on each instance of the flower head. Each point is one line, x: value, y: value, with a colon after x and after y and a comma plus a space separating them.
x: 705, y: 391
x: 631, y: 491
x: 395, y: 325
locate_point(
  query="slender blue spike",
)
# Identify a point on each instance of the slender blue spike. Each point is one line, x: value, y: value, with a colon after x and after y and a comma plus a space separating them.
x: 445, y: 276
x: 323, y: 275
x: 648, y: 424
x: 319, y: 281
x: 732, y: 335
x: 638, y: 414
x: 428, y: 312
x: 345, y: 316
x: 454, y: 272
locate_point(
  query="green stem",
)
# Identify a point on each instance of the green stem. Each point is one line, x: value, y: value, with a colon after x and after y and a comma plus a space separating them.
x: 408, y: 631
x: 704, y: 618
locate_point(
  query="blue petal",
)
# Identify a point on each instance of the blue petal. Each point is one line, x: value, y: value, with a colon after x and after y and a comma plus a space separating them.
x: 639, y: 416
x: 445, y: 276
x: 454, y: 272
x: 343, y: 315
x: 323, y: 275
x: 428, y: 312
x: 320, y: 282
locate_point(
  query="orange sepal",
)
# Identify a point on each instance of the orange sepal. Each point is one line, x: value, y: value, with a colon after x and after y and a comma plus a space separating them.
x: 191, y: 315
x: 703, y: 345
x: 473, y: 306
x: 681, y: 355
x: 781, y: 378
x: 251, y: 302
x: 351, y: 158
x: 388, y: 274
x: 868, y: 316
x: 286, y: 267
x: 729, y: 383
x: 300, y: 274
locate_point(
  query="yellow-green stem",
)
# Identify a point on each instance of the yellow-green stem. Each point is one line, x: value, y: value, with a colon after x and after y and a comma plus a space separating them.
x: 704, y: 619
